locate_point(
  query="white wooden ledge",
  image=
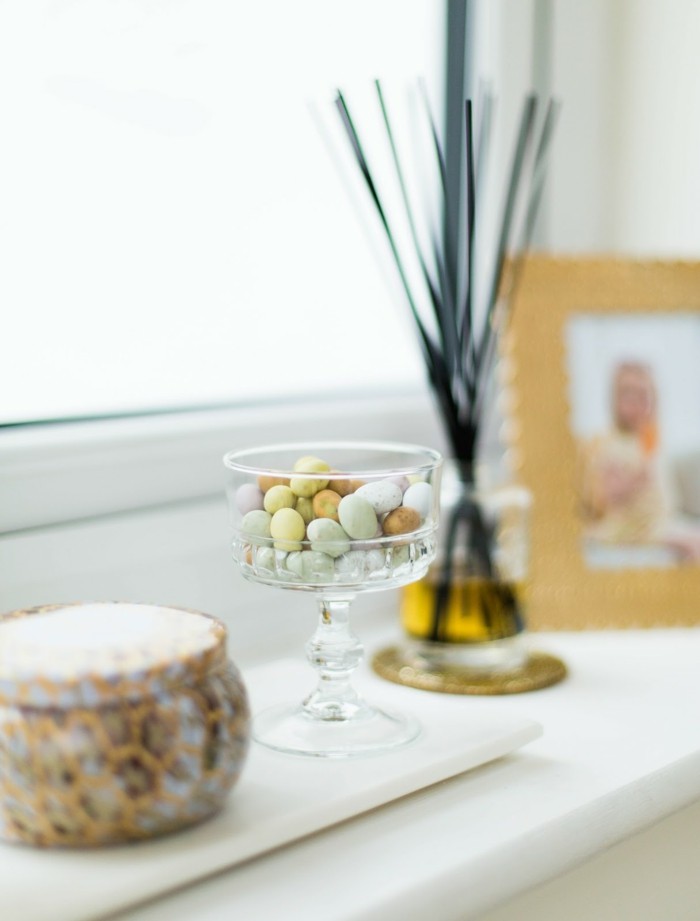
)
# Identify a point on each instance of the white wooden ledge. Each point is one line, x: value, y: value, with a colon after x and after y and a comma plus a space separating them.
x: 620, y: 752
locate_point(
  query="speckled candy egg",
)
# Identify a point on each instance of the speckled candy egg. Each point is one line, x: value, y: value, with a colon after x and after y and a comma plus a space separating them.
x: 288, y: 528
x: 402, y: 520
x: 256, y: 524
x: 265, y: 559
x: 325, y: 504
x: 311, y: 565
x: 341, y: 485
x: 266, y: 482
x: 305, y: 507
x: 279, y: 497
x: 382, y: 495
x: 327, y: 536
x: 357, y: 517
x: 307, y: 487
x: 399, y: 556
x: 358, y: 564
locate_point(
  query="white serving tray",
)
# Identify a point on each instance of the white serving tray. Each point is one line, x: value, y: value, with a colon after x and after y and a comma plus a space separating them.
x: 279, y: 799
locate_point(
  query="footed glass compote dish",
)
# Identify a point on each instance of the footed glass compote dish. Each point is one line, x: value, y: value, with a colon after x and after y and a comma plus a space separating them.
x: 334, y: 519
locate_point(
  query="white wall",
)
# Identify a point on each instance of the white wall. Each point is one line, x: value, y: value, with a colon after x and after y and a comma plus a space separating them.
x: 624, y: 173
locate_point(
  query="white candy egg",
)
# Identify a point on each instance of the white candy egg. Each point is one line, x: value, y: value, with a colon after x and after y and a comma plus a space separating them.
x: 420, y: 497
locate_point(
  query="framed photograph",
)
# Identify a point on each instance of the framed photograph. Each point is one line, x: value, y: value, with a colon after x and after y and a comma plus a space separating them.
x: 604, y: 356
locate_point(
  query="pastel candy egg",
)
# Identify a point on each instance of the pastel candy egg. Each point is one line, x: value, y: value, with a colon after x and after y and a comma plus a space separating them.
x: 288, y: 528
x: 382, y: 495
x: 402, y: 520
x: 325, y: 504
x: 374, y: 561
x: 309, y: 486
x: 320, y: 566
x: 265, y: 558
x: 351, y: 565
x: 267, y: 482
x: 341, y: 485
x: 256, y: 523
x: 357, y: 517
x: 310, y: 464
x: 327, y: 536
x: 400, y: 556
x: 420, y: 497
x: 305, y: 507
x: 311, y: 565
x: 357, y: 564
x: 293, y: 562
x: 248, y: 498
x: 401, y: 481
x: 279, y: 497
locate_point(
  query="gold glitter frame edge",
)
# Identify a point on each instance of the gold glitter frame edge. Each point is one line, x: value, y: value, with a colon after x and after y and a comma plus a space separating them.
x: 565, y: 594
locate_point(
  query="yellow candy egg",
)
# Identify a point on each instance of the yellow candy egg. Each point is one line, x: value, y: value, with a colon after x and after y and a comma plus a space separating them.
x: 305, y: 507
x: 267, y: 482
x: 308, y: 487
x: 279, y: 497
x: 311, y: 464
x: 288, y: 529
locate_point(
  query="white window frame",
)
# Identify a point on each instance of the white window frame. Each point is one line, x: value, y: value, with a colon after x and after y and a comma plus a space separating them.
x: 57, y: 473
x: 134, y: 509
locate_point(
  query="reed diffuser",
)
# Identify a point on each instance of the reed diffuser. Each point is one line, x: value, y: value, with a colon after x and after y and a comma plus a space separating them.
x: 465, y: 618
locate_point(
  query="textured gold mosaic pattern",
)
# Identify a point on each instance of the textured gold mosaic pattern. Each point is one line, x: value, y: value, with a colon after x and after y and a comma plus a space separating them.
x: 123, y: 767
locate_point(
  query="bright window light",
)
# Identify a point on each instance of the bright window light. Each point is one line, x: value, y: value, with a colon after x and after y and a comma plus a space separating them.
x: 175, y: 231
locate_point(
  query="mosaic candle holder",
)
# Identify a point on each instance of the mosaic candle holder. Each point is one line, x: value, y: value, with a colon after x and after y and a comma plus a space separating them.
x: 117, y: 722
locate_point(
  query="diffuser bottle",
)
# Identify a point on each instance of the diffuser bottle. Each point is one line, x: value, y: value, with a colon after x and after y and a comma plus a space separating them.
x: 469, y: 611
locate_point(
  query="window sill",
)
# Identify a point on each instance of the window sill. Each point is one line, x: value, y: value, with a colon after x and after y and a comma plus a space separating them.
x: 618, y: 755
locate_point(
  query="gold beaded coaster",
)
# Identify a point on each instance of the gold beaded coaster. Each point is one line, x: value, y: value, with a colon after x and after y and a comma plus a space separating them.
x: 540, y: 670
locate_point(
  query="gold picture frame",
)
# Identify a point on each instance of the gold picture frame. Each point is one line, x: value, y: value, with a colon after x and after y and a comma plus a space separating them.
x: 565, y: 592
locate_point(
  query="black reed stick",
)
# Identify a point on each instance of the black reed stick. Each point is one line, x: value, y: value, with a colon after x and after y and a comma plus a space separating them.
x: 539, y: 171
x: 459, y: 361
x: 467, y: 339
x: 439, y: 306
x: 527, y: 121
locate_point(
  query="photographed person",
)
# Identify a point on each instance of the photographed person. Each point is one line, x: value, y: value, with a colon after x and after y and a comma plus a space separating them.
x: 622, y: 498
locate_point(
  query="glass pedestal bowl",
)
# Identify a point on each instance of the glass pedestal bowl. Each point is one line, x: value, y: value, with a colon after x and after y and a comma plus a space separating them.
x: 334, y: 519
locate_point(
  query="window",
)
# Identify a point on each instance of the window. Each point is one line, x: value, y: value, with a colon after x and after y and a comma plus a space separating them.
x: 175, y: 231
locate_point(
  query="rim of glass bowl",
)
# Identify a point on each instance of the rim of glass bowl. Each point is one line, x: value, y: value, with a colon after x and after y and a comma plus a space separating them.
x: 433, y: 459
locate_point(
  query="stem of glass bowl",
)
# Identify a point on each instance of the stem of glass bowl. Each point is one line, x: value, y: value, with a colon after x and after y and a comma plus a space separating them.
x: 335, y: 652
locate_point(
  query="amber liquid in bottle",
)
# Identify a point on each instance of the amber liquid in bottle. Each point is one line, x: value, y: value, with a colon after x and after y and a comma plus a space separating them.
x: 477, y: 610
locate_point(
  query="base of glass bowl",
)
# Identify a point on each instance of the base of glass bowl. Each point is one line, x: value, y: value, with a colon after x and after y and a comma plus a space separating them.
x: 365, y: 731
